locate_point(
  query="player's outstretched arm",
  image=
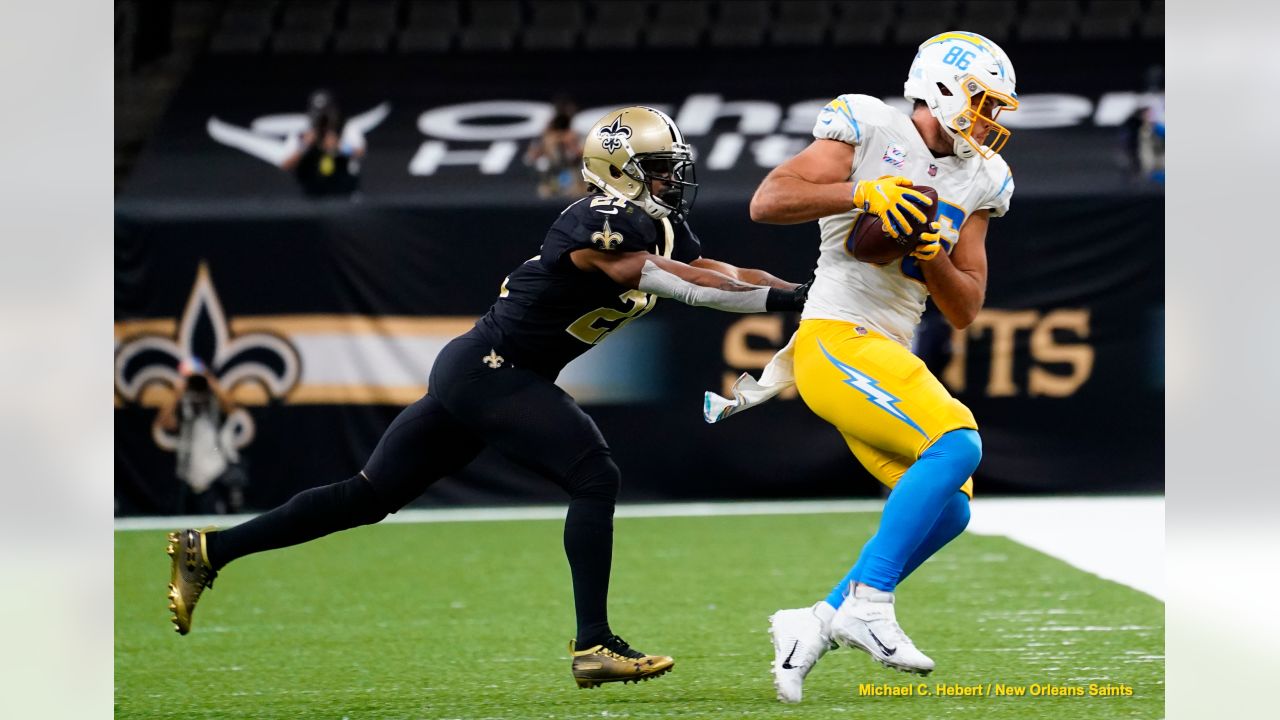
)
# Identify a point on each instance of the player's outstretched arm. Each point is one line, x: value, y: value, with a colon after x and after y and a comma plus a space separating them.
x: 958, y: 282
x: 747, y: 275
x: 813, y: 184
x: 700, y: 287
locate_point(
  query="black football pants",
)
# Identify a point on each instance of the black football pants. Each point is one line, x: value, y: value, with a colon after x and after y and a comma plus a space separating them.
x: 470, y: 404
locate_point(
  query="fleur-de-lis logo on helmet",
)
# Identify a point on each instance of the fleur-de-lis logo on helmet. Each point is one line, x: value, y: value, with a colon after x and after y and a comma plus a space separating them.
x: 605, y: 238
x: 203, y: 332
x: 611, y: 136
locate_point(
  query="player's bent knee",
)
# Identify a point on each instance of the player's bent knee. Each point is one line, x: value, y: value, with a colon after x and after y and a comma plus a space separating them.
x: 962, y: 449
x: 596, y: 476
x: 366, y: 505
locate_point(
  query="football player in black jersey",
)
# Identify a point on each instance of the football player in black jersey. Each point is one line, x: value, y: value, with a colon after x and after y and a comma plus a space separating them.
x: 605, y: 262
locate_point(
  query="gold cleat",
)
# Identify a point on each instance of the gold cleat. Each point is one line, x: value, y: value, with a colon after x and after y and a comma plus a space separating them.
x: 614, y: 661
x: 191, y: 575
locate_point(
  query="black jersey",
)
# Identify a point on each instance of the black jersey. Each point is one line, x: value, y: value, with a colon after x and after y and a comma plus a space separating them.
x: 549, y: 312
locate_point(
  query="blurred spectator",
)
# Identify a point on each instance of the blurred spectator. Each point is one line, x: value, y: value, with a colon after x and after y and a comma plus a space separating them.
x: 326, y: 157
x: 556, y: 155
x: 1144, y: 131
x: 208, y: 464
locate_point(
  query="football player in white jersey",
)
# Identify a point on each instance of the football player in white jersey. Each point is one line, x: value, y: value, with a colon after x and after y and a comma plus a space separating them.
x: 850, y: 359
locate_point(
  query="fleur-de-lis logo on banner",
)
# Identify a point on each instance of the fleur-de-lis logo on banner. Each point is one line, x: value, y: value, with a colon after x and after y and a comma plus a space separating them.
x: 611, y: 137
x: 203, y: 332
x: 605, y: 238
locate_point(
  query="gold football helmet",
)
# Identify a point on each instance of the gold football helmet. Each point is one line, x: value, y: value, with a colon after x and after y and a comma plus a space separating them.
x: 638, y: 154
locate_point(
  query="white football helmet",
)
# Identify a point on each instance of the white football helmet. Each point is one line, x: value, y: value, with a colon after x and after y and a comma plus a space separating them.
x: 964, y: 78
x: 630, y: 147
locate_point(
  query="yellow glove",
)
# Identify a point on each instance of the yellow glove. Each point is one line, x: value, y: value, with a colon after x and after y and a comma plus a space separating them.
x: 931, y: 243
x: 888, y: 198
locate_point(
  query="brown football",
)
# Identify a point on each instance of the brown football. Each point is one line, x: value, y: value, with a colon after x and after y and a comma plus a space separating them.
x: 870, y: 243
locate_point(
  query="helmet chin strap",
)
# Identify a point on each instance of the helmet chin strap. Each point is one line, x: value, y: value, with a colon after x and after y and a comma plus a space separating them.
x: 653, y: 208
x: 644, y: 199
x: 961, y: 147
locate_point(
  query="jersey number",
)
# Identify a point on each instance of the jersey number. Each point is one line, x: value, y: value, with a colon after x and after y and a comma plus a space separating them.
x: 596, y: 325
x: 948, y: 216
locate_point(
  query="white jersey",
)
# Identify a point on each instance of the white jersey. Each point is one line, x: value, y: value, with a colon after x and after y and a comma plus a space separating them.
x: 890, y: 298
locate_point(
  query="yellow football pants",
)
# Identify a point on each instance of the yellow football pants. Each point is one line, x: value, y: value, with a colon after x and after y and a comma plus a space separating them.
x: 884, y: 401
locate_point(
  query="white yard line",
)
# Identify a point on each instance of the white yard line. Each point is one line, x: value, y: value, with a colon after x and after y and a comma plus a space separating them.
x: 542, y: 512
x: 1117, y: 538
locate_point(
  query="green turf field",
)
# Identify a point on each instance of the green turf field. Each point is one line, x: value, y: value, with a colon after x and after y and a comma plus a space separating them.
x: 471, y: 620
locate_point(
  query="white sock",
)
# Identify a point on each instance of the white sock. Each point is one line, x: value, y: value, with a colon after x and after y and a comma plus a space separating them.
x: 862, y: 591
x: 825, y: 613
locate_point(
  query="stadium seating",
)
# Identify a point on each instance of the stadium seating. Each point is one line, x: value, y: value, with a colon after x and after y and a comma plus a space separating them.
x: 992, y: 18
x: 555, y: 25
x: 1111, y: 20
x: 1152, y: 24
x: 919, y: 20
x: 494, y: 26
x: 801, y: 22
x: 245, y: 28
x: 304, y: 27
x: 369, y: 27
x: 444, y: 26
x: 431, y: 26
x: 1047, y: 20
x: 740, y: 24
x: 678, y: 24
x: 863, y: 23
x: 616, y: 24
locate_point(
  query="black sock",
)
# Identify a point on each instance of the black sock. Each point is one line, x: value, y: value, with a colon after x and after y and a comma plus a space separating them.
x: 588, y: 543
x: 308, y: 515
x: 593, y: 484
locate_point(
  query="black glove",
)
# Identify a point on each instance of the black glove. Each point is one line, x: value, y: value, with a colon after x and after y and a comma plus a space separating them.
x: 802, y: 292
x: 792, y: 300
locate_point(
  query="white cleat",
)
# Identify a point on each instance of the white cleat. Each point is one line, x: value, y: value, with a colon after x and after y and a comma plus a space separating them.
x: 800, y: 639
x: 866, y: 621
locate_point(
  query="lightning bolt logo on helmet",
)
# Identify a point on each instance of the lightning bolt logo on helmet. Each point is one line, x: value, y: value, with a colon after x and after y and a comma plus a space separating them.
x: 611, y: 136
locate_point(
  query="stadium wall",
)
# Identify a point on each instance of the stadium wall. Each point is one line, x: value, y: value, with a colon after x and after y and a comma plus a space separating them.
x: 325, y: 317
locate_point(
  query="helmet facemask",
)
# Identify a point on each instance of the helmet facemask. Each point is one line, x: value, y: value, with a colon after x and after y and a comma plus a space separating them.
x: 675, y: 173
x: 960, y: 126
x: 674, y: 169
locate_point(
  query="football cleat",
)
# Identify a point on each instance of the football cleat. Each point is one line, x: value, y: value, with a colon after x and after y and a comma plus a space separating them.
x: 799, y: 641
x: 613, y: 661
x: 866, y: 621
x: 191, y: 574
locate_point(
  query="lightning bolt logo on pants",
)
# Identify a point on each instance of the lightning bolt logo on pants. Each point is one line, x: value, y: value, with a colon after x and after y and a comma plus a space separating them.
x: 871, y: 390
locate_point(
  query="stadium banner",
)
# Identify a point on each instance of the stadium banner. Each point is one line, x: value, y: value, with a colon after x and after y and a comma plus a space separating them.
x: 323, y: 320
x: 453, y: 131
